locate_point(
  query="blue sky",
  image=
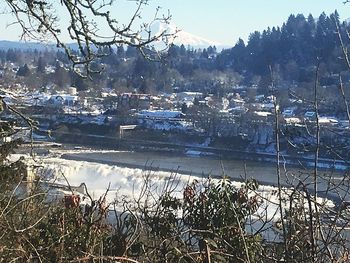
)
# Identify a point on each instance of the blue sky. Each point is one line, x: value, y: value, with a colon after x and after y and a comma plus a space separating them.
x: 220, y: 20
x: 227, y: 20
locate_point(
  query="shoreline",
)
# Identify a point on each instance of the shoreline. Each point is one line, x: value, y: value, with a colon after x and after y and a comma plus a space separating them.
x: 104, y: 143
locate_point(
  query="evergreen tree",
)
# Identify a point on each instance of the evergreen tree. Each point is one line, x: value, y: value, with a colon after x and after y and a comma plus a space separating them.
x: 121, y: 52
x: 41, y: 65
x: 11, y: 55
x: 23, y: 71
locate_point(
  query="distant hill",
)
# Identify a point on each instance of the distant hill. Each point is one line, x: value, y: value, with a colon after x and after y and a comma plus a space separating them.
x: 5, y: 45
x: 21, y: 45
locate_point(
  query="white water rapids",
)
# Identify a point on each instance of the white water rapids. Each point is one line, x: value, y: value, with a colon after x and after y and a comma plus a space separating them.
x: 129, y: 182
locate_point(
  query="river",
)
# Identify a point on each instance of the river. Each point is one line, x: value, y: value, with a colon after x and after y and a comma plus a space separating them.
x: 238, y: 170
x: 185, y: 164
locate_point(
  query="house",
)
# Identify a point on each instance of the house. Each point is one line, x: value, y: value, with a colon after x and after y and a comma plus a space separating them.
x: 263, y: 106
x: 134, y: 101
x: 188, y: 96
x: 259, y: 98
x: 236, y: 102
x: 310, y: 115
x: 237, y: 110
x: 62, y: 99
x: 288, y: 113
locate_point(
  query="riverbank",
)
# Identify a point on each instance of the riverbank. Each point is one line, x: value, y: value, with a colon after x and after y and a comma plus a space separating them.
x: 114, y: 143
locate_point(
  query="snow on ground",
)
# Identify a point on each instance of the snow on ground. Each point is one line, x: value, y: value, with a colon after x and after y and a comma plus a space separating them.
x: 166, y: 125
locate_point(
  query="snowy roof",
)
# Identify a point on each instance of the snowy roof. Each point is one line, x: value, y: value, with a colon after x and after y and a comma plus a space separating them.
x: 160, y: 114
x: 267, y: 105
x: 65, y: 97
x: 238, y: 108
x: 237, y: 100
x: 259, y: 97
x: 288, y: 111
x: 262, y: 113
x: 309, y: 114
x: 325, y: 120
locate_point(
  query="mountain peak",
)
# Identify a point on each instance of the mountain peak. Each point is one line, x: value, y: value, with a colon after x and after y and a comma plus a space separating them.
x: 180, y: 37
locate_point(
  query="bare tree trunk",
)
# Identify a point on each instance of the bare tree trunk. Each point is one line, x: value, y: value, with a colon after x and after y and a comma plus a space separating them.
x: 278, y: 171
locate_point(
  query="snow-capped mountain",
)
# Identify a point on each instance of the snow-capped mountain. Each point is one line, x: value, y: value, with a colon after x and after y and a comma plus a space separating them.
x: 180, y: 37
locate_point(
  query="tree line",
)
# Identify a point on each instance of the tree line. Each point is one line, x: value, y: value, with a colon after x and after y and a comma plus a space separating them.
x: 292, y: 50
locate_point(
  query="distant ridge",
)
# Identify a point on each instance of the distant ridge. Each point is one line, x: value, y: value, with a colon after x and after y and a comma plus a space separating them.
x: 181, y: 38
x: 5, y: 45
x: 20, y: 45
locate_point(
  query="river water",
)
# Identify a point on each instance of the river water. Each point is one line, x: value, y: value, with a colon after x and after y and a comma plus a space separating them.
x: 237, y: 170
x: 97, y: 168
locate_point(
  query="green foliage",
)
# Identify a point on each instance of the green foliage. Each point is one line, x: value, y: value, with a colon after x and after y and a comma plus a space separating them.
x: 213, y: 214
x: 10, y: 172
x: 210, y: 220
x: 33, y: 229
x: 218, y: 214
